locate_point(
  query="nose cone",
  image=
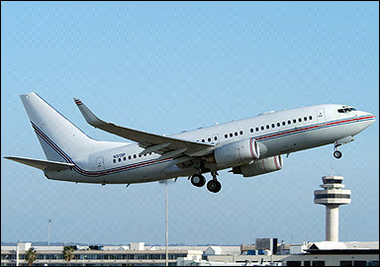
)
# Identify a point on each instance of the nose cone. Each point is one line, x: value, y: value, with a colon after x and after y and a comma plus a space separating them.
x: 363, y: 121
x: 367, y: 119
x: 371, y: 117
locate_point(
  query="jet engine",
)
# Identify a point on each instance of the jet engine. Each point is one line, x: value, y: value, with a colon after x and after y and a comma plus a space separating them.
x: 258, y: 167
x: 237, y: 153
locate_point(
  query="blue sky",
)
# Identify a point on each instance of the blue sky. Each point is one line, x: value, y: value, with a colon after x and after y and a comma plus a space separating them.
x: 165, y: 67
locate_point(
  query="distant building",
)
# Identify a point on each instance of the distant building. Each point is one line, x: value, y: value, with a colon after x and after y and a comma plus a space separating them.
x: 137, y: 254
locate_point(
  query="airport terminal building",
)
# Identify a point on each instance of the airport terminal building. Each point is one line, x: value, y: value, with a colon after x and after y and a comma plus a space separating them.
x: 266, y: 252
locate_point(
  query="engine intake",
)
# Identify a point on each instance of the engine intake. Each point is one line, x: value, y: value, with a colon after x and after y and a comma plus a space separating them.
x: 258, y: 167
x: 237, y: 153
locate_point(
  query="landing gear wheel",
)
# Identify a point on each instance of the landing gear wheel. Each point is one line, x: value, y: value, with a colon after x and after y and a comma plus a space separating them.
x: 198, y: 180
x: 214, y: 186
x: 337, y: 154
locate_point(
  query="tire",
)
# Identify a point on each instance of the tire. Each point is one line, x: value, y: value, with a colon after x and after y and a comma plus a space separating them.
x: 198, y: 180
x: 214, y: 186
x: 337, y: 154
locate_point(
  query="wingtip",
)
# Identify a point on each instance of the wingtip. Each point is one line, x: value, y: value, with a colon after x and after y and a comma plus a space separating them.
x: 77, y: 101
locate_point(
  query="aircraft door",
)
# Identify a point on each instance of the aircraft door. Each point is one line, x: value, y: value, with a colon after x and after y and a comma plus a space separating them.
x: 100, y: 163
x: 321, y: 115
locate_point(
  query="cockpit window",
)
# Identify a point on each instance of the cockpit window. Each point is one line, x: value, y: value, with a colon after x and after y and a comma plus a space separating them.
x: 346, y: 109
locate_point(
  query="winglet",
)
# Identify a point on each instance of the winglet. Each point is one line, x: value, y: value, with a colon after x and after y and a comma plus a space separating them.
x: 87, y: 114
x: 78, y: 102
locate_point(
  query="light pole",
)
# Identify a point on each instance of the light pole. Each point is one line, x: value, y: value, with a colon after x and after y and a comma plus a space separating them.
x: 166, y: 182
x: 17, y: 252
x: 49, y: 232
x: 84, y: 258
x: 166, y: 224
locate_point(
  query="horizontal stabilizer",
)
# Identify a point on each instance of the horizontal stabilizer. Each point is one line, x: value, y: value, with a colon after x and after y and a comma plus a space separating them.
x: 45, y: 165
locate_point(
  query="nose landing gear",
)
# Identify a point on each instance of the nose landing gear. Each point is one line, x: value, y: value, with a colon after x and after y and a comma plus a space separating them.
x: 337, y: 154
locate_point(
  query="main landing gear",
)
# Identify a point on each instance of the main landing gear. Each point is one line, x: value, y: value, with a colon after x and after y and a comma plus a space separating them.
x: 198, y: 180
x: 213, y: 185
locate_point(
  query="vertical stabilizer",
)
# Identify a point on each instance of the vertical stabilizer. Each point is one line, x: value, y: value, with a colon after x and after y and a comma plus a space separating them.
x: 60, y: 139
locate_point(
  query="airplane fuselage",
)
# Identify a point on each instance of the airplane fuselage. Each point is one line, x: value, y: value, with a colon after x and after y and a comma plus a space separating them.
x: 276, y: 133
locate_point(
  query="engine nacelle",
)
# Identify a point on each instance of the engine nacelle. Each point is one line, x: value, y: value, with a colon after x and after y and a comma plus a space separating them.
x: 237, y: 153
x: 258, y: 167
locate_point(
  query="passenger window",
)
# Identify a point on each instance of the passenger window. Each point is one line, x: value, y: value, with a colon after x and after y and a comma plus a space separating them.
x: 119, y: 159
x: 283, y: 123
x: 125, y: 158
x: 257, y: 129
x: 134, y: 156
x: 300, y: 120
x: 278, y: 124
x: 129, y: 157
x: 305, y: 118
x: 289, y: 122
x: 114, y: 160
x: 251, y: 130
x: 262, y: 128
x: 236, y: 133
x: 241, y: 132
x: 215, y: 138
x: 231, y: 134
x: 203, y: 140
x: 226, y: 136
x: 294, y: 120
x: 310, y: 117
x: 273, y: 125
x: 267, y: 126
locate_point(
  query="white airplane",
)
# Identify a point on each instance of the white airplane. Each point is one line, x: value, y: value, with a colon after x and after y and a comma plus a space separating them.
x: 249, y: 147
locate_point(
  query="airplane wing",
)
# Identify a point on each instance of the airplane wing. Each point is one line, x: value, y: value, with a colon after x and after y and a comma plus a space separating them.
x: 168, y: 146
x: 45, y: 165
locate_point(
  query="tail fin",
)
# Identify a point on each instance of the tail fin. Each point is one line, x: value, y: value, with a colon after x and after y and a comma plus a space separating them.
x: 60, y: 139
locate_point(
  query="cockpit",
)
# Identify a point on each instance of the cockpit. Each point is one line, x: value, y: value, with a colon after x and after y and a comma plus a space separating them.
x: 346, y: 109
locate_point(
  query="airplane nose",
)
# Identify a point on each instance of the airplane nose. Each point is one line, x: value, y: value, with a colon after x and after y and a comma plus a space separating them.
x: 370, y: 117
x: 373, y: 117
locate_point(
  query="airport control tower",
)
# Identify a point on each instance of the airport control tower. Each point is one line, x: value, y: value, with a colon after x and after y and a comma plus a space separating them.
x: 332, y: 197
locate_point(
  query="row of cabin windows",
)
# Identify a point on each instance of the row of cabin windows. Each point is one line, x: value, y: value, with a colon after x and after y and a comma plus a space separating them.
x: 278, y: 124
x: 209, y: 139
x: 289, y: 122
x: 268, y: 126
x: 130, y: 157
x: 234, y: 134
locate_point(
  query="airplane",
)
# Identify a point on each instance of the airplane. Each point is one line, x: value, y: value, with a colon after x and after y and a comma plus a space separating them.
x: 248, y: 147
